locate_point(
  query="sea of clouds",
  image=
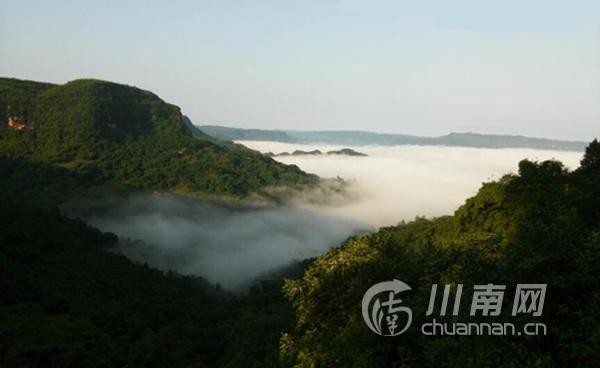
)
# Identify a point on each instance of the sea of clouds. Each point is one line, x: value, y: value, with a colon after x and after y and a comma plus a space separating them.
x: 400, y: 182
x: 233, y: 245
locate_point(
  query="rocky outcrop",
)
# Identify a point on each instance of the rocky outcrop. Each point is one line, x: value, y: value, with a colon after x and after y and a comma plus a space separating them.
x: 16, y: 123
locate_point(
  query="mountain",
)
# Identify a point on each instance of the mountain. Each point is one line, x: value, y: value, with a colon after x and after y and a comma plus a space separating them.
x: 347, y: 152
x: 196, y: 132
x: 359, y: 138
x: 108, y: 135
x: 540, y: 226
x: 341, y: 152
x: 69, y: 299
x: 233, y: 134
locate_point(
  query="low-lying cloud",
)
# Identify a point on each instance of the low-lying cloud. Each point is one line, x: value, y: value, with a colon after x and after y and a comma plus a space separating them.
x: 233, y: 245
x: 228, y: 245
x: 400, y: 182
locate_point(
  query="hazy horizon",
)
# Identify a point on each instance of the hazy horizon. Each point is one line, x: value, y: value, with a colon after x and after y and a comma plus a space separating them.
x: 233, y: 126
x: 425, y: 68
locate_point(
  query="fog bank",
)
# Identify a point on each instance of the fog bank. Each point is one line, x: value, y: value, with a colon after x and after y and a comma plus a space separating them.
x: 223, y: 244
x: 400, y: 182
x: 233, y: 245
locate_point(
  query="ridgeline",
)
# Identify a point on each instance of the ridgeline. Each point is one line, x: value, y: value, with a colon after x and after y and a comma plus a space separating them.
x: 97, y: 134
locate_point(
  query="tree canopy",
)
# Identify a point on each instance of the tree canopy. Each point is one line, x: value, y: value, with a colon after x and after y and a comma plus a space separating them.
x: 107, y: 134
x: 539, y: 226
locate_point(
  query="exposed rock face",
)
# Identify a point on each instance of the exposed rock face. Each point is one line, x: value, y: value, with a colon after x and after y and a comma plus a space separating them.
x: 16, y: 123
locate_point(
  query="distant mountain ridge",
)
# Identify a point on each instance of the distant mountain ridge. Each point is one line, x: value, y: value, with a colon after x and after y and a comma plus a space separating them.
x: 360, y: 138
x: 316, y: 152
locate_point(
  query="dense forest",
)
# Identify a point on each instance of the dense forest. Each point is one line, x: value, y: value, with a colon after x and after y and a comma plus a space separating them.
x: 106, y: 135
x: 539, y: 226
x: 69, y: 299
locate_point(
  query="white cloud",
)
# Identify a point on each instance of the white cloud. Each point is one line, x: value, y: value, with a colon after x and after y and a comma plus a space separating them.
x: 401, y: 182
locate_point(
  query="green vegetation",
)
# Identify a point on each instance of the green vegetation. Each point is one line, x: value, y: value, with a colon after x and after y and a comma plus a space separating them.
x: 298, y: 153
x: 540, y: 226
x: 68, y: 300
x: 106, y: 134
x: 347, y: 152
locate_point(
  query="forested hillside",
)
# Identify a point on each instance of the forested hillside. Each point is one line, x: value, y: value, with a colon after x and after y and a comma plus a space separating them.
x: 108, y: 135
x: 540, y: 226
x: 70, y: 300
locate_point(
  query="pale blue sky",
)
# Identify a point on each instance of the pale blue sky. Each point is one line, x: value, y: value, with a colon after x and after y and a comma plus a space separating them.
x: 417, y: 67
